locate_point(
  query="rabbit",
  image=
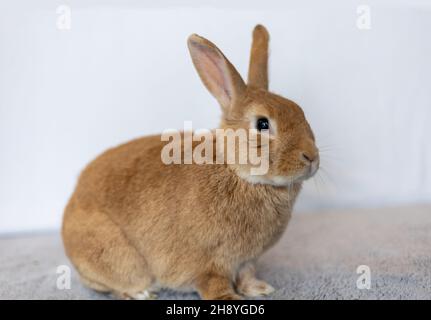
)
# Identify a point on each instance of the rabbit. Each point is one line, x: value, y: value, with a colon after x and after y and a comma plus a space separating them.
x: 134, y: 225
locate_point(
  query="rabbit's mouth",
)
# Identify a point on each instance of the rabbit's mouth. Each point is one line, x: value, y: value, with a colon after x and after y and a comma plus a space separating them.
x: 308, y: 171
x: 312, y: 169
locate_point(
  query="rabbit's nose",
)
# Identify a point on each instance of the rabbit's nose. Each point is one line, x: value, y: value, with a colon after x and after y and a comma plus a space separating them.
x: 310, y: 156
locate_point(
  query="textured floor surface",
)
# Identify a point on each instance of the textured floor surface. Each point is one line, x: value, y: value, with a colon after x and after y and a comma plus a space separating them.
x: 316, y: 259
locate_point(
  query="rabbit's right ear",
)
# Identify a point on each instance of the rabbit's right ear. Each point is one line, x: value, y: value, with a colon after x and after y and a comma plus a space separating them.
x: 216, y: 72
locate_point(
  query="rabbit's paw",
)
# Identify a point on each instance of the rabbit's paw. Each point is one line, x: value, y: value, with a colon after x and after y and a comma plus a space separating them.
x: 255, y: 288
x: 144, y: 295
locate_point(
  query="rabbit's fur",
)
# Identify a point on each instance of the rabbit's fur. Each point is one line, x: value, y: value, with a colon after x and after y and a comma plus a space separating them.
x: 134, y: 224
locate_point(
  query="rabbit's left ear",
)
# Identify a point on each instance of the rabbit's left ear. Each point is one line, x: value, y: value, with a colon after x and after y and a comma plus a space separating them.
x: 216, y: 72
x: 258, y: 67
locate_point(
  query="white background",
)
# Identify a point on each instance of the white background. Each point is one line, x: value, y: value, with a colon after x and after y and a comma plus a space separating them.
x: 123, y: 71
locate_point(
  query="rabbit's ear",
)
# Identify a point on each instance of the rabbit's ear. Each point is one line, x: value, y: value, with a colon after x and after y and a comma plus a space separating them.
x: 216, y: 72
x: 258, y: 68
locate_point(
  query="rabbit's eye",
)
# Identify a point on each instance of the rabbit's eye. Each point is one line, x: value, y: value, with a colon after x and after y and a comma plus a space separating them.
x: 262, y: 124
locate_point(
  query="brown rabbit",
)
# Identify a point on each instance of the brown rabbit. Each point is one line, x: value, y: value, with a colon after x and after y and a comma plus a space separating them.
x: 135, y: 224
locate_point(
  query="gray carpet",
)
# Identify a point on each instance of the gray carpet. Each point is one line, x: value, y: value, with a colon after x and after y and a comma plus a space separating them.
x: 316, y: 259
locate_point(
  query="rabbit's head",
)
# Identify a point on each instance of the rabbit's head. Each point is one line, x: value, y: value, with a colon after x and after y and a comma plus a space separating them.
x: 293, y: 155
